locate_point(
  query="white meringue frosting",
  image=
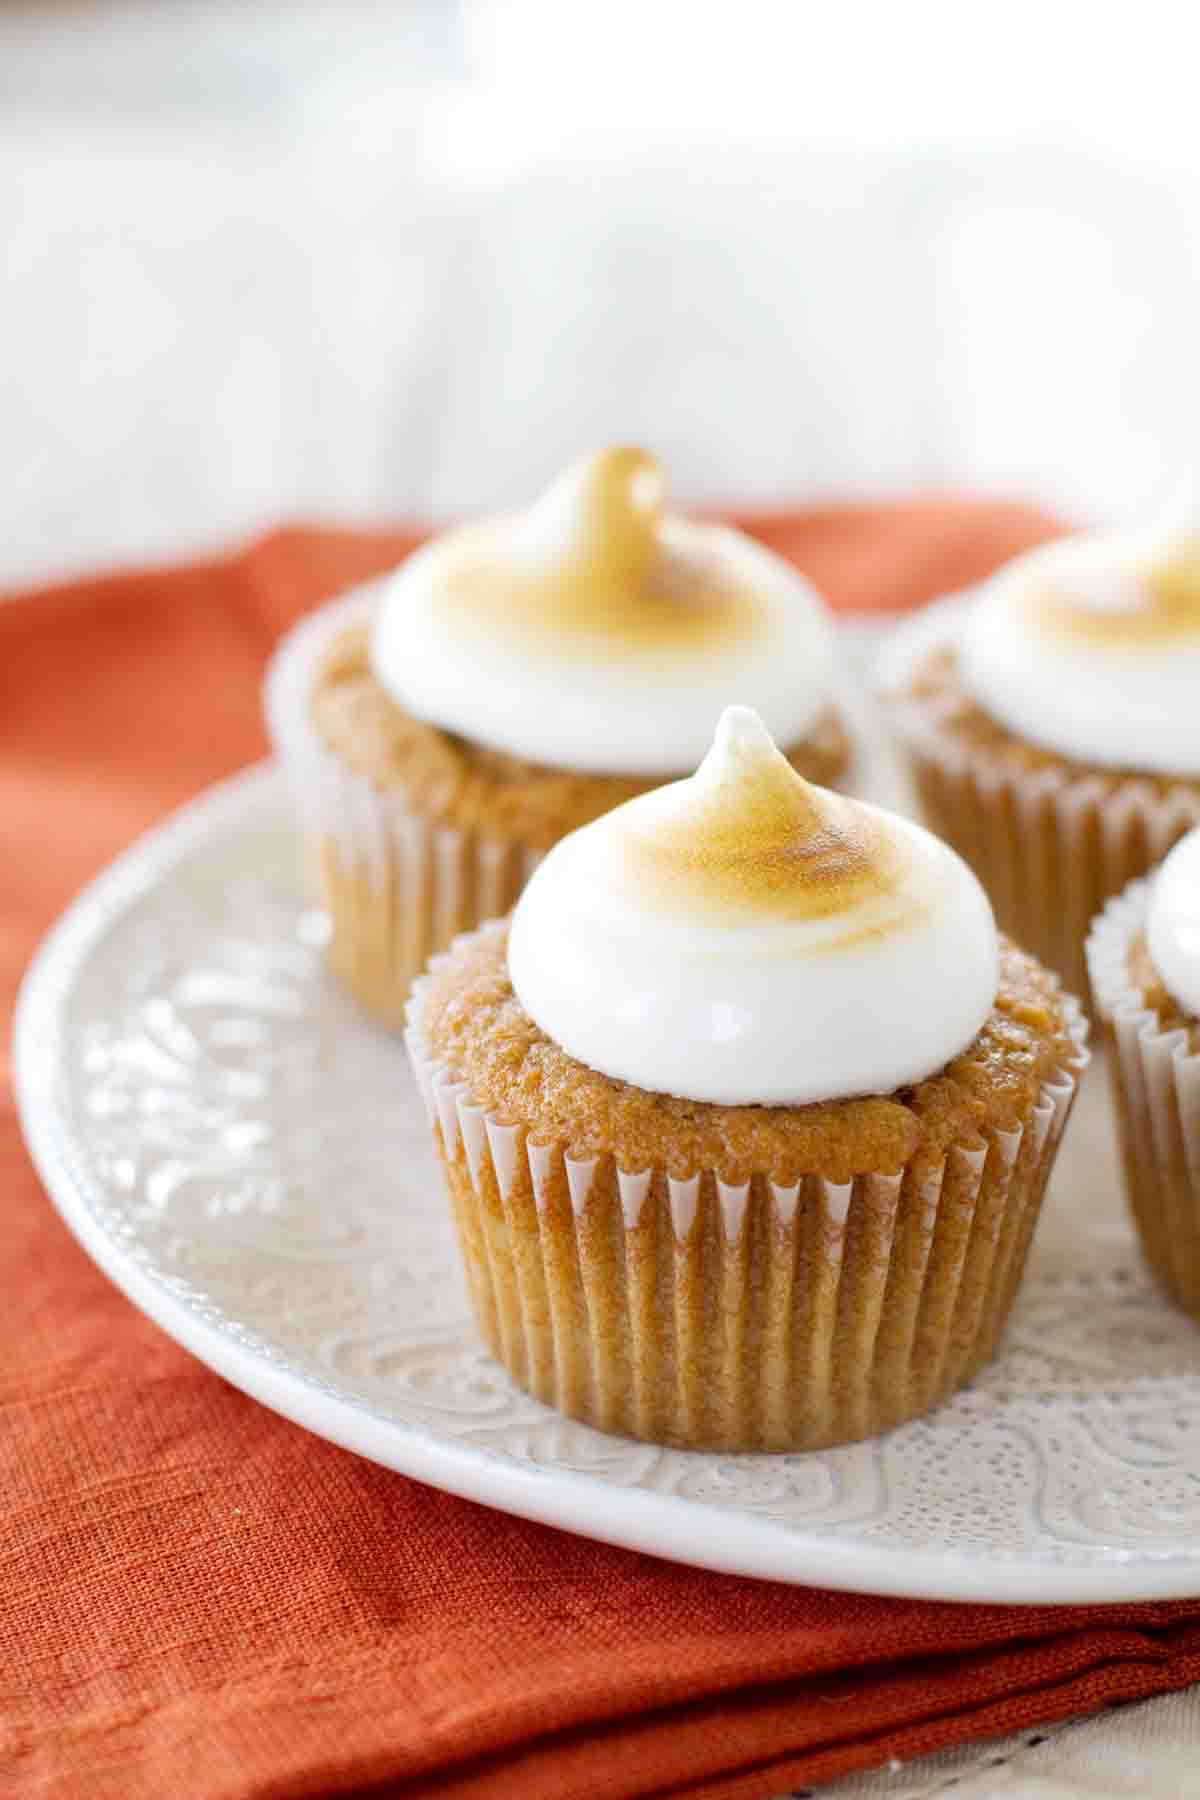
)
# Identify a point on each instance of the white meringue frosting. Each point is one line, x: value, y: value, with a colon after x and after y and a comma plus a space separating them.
x: 1090, y: 647
x: 598, y: 633
x: 1173, y: 923
x: 745, y: 938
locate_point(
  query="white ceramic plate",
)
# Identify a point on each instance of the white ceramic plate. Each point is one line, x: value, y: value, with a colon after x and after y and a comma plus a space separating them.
x: 248, y: 1160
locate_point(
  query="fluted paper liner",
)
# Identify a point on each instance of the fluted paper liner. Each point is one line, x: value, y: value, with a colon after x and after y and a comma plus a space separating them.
x: 397, y: 885
x: 1050, y: 847
x: 1156, y: 1089
x: 751, y: 1316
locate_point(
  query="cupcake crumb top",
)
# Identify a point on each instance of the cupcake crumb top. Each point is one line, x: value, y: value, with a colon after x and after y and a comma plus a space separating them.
x: 473, y: 1023
x: 465, y: 784
x: 937, y: 684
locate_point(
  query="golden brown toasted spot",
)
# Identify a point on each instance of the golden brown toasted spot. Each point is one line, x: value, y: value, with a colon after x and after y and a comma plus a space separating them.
x: 601, y: 518
x: 747, y: 834
x: 683, y: 607
x: 1170, y: 611
x: 464, y: 784
x: 1176, y: 589
x: 799, y: 862
x: 588, y: 564
x: 476, y: 1026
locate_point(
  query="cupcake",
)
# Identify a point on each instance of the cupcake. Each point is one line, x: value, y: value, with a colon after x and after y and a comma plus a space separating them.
x: 515, y: 679
x: 747, y: 1115
x: 1144, y: 959
x: 1055, y: 741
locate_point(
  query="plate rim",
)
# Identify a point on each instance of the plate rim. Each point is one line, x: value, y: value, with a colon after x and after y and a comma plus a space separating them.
x: 671, y: 1526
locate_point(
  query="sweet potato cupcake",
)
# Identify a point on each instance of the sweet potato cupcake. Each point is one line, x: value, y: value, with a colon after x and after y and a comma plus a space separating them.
x: 1055, y: 738
x: 747, y: 1116
x: 515, y: 679
x: 1144, y: 958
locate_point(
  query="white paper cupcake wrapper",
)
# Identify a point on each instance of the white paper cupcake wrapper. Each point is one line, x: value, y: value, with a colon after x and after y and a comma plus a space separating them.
x: 398, y: 886
x: 1050, y: 848
x: 682, y: 1323
x: 1156, y: 1087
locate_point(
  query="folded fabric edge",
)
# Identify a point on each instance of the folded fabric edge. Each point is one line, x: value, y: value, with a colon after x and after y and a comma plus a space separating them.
x: 744, y: 1744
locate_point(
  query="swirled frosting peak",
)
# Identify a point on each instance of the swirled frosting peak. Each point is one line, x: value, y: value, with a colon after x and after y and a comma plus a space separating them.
x: 597, y: 632
x: 743, y: 937
x: 1090, y: 647
x: 1173, y: 923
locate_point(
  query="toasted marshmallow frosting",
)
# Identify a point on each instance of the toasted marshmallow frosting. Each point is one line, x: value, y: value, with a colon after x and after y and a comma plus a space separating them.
x: 597, y: 633
x: 1173, y: 923
x: 745, y: 938
x: 1090, y: 647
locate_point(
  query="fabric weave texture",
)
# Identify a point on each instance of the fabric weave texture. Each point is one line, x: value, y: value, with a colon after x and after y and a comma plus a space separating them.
x: 199, y: 1599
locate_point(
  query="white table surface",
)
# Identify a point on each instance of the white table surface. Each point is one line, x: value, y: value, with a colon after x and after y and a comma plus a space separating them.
x: 1148, y: 1751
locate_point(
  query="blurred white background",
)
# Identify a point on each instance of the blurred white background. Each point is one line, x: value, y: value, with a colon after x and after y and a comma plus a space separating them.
x: 366, y: 260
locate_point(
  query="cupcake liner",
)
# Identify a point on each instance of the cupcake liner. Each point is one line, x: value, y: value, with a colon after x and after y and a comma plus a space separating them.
x: 1049, y: 847
x: 397, y: 886
x: 1156, y: 1088
x: 739, y: 1316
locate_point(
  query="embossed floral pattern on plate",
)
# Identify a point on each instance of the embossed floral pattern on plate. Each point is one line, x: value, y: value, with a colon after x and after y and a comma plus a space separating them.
x: 249, y: 1159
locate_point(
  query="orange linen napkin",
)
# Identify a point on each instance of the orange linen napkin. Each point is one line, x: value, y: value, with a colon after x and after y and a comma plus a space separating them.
x: 199, y: 1600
